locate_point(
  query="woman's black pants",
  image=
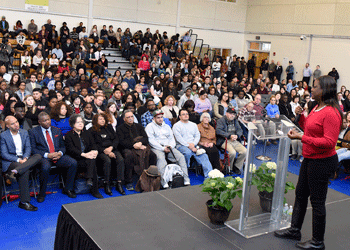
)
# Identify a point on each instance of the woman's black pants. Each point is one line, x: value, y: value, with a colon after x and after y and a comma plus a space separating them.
x: 91, y: 172
x: 108, y: 162
x: 213, y: 155
x: 313, y: 181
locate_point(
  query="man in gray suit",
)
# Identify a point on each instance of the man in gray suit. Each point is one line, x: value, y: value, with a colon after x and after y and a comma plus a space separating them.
x: 16, y: 159
x: 32, y: 84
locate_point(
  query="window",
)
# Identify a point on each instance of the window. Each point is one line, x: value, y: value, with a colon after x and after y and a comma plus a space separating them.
x: 266, y: 46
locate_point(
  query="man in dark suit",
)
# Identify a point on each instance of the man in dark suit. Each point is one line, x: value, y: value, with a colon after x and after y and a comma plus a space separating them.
x: 133, y: 136
x: 48, y: 142
x: 16, y: 159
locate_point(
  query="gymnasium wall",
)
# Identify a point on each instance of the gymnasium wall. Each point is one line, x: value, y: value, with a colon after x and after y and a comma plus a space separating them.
x: 303, y: 17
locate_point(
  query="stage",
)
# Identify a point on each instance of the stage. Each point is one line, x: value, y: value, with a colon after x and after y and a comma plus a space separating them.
x: 177, y: 219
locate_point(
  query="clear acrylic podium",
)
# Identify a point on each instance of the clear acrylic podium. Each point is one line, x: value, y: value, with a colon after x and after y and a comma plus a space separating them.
x: 251, y: 226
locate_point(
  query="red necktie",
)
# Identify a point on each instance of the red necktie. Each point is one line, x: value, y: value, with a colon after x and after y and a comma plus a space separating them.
x: 49, y: 141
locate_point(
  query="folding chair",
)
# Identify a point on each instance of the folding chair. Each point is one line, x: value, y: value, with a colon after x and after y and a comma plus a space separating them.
x: 6, y: 192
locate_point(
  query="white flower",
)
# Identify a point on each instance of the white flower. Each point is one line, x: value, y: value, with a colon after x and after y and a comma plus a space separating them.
x: 253, y: 168
x: 239, y: 180
x: 229, y: 185
x: 273, y: 175
x: 215, y: 174
x: 271, y: 165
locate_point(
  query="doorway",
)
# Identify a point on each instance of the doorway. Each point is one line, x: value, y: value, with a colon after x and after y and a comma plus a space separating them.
x: 259, y: 57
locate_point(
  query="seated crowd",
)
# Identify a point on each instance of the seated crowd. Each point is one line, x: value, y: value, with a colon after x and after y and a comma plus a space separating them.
x: 174, y: 108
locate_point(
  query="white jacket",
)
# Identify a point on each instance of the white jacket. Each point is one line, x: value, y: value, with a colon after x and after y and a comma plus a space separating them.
x: 167, y: 113
x: 160, y: 136
x: 169, y: 171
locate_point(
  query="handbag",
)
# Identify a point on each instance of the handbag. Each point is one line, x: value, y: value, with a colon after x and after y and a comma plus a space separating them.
x: 178, y: 179
x: 81, y: 187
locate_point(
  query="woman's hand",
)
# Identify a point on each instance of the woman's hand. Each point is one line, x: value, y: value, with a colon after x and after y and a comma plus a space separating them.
x: 293, y: 134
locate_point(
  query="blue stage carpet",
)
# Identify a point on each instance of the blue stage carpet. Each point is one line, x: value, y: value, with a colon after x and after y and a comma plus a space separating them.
x: 20, y: 229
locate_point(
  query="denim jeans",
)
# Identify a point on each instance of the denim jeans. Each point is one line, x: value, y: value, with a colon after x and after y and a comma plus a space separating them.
x: 343, y: 154
x: 201, y: 159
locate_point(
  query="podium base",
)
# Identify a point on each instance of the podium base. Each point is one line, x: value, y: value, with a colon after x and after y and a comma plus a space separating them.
x: 257, y: 225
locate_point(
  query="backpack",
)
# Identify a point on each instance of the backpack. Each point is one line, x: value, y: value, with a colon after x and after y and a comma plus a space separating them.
x: 178, y: 181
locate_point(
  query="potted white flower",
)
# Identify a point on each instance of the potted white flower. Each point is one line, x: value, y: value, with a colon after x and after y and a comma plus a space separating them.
x: 264, y: 179
x: 222, y: 191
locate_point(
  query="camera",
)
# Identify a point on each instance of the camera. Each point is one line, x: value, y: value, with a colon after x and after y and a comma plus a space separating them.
x: 302, y: 37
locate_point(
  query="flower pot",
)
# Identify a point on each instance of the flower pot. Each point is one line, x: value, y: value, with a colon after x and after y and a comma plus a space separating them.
x: 266, y: 201
x: 217, y: 215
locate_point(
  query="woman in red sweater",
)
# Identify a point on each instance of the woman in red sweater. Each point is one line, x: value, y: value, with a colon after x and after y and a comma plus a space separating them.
x: 322, y: 127
x: 144, y: 64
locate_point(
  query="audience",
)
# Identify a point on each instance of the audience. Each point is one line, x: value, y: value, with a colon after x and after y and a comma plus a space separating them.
x: 124, y: 121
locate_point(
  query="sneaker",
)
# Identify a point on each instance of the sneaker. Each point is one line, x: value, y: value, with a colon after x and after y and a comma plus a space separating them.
x: 187, y: 183
x: 129, y: 187
x: 293, y: 157
x: 301, y: 158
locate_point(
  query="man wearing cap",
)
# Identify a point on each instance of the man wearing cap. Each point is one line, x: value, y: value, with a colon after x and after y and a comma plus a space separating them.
x: 228, y: 128
x: 147, y: 117
x: 290, y: 71
x: 162, y: 141
x: 187, y: 137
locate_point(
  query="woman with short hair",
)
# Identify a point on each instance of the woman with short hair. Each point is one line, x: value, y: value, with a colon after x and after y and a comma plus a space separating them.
x: 208, y: 140
x: 81, y: 147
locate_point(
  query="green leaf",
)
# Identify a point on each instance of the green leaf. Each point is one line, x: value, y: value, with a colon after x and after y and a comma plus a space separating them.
x: 269, y: 189
x: 223, y: 196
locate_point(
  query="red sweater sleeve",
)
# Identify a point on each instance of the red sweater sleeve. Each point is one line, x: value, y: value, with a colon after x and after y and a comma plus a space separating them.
x: 321, y: 133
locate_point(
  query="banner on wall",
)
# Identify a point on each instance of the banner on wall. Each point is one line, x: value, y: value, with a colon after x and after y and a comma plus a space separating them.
x: 37, y: 5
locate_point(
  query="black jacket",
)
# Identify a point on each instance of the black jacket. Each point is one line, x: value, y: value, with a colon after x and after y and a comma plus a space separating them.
x: 127, y: 134
x: 105, y: 138
x: 73, y: 146
x: 286, y: 109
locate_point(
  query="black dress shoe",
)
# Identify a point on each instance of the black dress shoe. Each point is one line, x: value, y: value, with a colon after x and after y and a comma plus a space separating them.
x: 311, y: 244
x: 97, y: 195
x: 12, y: 176
x: 289, y: 233
x: 236, y: 171
x: 40, y: 199
x: 69, y: 193
x: 119, y: 188
x: 27, y: 206
x: 107, y: 188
